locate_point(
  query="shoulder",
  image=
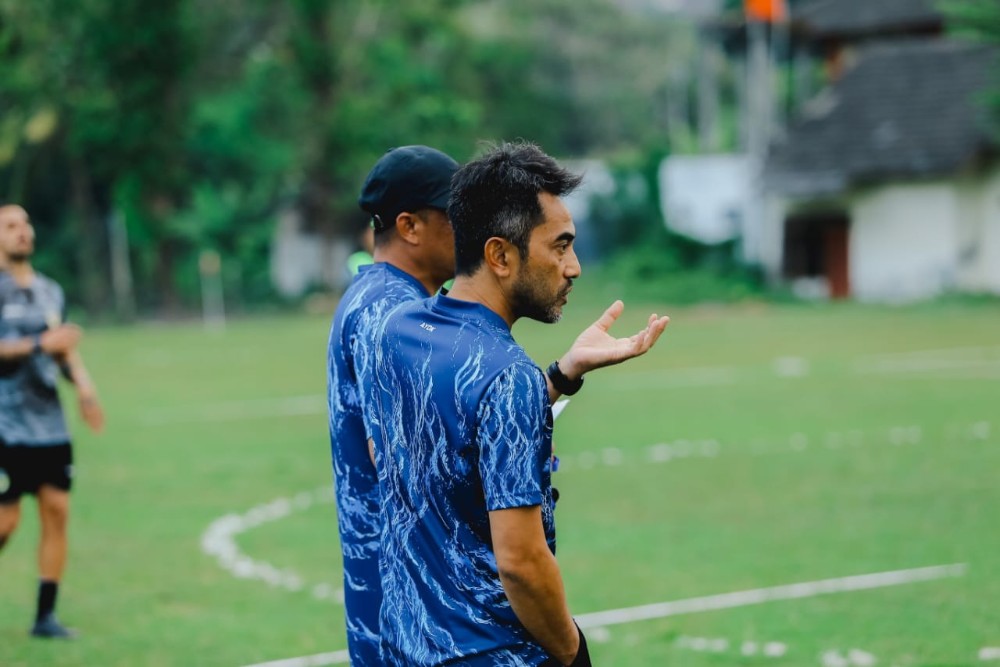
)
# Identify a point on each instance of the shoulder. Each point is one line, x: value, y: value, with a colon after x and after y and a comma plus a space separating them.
x: 399, y: 314
x: 380, y: 308
x: 378, y: 288
x: 46, y: 284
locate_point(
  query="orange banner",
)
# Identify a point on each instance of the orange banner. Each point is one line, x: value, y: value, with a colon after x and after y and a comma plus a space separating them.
x: 765, y: 10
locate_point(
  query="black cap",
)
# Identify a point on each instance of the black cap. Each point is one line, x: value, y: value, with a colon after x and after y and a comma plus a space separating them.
x: 407, y: 179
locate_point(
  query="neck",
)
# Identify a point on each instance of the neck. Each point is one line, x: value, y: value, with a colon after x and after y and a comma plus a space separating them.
x: 481, y: 287
x: 20, y: 271
x: 392, y: 254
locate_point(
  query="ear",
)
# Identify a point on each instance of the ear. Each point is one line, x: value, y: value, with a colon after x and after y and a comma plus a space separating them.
x: 500, y: 256
x: 407, y: 225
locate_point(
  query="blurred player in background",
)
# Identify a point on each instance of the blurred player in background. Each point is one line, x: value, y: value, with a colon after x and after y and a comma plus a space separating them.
x: 36, y: 456
x: 462, y: 423
x: 364, y: 255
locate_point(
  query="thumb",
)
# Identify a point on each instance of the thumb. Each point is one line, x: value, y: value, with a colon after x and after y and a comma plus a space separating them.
x: 610, y: 315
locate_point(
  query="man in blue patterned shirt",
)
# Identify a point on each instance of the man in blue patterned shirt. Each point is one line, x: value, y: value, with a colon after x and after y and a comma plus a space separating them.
x: 462, y: 427
x: 406, y: 194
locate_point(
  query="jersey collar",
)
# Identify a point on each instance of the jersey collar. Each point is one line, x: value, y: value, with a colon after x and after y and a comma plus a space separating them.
x: 471, y: 311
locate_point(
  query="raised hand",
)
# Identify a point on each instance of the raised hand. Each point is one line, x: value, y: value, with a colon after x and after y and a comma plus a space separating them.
x: 595, y: 347
x: 61, y: 339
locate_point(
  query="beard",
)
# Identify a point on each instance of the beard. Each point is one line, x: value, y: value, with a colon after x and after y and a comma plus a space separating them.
x: 533, y: 301
x: 18, y: 257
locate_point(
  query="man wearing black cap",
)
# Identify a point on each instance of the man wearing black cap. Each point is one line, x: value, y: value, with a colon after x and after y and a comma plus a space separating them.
x: 406, y: 193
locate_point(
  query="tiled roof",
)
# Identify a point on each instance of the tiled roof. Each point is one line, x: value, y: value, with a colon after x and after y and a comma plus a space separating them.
x: 905, y: 110
x: 822, y: 18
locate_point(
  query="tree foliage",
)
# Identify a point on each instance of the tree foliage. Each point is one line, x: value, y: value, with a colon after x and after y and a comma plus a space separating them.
x: 978, y: 20
x: 198, y: 121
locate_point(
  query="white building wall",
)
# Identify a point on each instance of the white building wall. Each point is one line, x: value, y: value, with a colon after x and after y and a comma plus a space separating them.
x: 903, y: 241
x: 969, y: 229
x: 987, y: 275
x: 300, y: 261
x: 764, y: 237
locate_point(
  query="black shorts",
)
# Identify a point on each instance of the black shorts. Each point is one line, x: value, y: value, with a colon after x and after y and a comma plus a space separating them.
x: 24, y: 469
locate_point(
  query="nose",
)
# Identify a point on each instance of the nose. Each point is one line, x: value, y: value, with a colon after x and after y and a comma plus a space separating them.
x: 573, y: 268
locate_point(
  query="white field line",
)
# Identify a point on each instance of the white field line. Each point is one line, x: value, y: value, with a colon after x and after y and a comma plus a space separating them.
x: 797, y: 443
x: 219, y: 539
x: 959, y: 363
x: 317, y: 660
x: 709, y: 603
x: 769, y: 649
x: 760, y: 595
x: 219, y: 542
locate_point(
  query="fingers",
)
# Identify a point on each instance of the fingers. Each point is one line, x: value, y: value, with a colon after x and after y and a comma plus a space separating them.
x: 645, y: 339
x: 610, y: 315
x: 61, y: 339
x: 657, y: 328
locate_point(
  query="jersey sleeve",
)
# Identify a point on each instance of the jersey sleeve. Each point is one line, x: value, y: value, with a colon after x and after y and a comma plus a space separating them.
x: 362, y: 343
x: 515, y: 427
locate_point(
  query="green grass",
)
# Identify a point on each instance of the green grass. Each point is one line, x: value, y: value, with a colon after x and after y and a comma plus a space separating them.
x: 177, y: 455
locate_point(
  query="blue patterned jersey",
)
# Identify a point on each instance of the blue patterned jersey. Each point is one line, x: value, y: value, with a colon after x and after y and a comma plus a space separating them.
x: 374, y: 291
x: 463, y: 427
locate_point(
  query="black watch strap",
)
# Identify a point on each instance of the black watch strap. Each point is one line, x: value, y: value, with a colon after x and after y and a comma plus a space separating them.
x: 562, y: 383
x: 36, y: 343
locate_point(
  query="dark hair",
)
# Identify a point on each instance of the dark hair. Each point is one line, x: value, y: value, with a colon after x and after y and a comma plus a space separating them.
x: 497, y: 195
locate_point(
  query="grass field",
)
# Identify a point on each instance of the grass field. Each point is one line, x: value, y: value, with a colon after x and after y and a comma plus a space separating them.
x: 757, y: 446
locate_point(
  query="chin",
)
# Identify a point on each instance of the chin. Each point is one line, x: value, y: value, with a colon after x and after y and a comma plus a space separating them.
x: 552, y: 316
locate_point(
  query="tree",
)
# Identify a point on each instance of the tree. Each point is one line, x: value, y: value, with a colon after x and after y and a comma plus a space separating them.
x: 199, y: 121
x: 980, y: 21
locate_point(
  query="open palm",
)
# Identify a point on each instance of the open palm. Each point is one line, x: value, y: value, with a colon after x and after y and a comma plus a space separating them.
x: 595, y: 347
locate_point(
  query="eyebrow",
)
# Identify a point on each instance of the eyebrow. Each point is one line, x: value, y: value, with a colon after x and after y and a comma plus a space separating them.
x: 565, y: 236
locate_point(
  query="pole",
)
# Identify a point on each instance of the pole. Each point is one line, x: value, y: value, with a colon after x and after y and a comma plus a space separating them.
x: 212, y: 297
x: 121, y: 267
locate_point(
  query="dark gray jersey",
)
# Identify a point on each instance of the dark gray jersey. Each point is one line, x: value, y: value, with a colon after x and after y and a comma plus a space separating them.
x: 30, y: 414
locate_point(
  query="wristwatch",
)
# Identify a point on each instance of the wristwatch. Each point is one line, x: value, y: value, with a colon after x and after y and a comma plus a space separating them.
x: 562, y: 383
x: 36, y: 343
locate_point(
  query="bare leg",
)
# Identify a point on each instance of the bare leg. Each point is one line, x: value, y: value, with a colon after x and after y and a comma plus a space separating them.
x: 10, y: 515
x: 53, y: 509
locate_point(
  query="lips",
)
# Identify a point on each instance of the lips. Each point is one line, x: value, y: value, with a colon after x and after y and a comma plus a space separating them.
x: 564, y: 294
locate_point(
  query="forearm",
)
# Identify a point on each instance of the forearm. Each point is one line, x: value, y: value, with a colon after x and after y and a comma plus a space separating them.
x: 535, y: 590
x: 12, y: 350
x: 554, y: 393
x: 77, y: 372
